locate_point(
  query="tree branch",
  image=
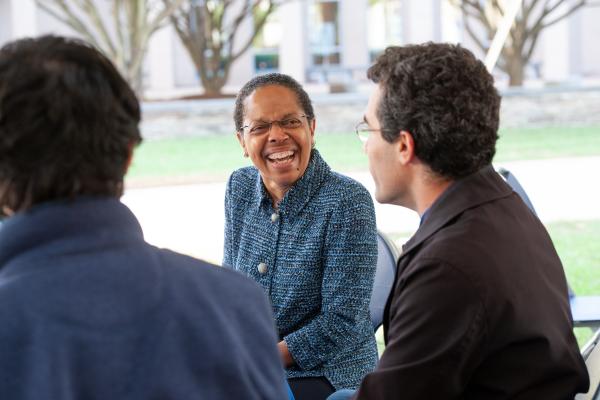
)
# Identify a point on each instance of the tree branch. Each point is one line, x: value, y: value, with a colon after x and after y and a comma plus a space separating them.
x: 92, y: 13
x: 574, y: 8
x: 68, y: 18
x: 258, y: 26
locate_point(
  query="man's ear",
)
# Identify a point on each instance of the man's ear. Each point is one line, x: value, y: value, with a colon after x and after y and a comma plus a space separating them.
x: 406, y: 147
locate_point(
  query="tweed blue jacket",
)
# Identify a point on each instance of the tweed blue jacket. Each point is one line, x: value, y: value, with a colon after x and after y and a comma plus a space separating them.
x: 315, y: 258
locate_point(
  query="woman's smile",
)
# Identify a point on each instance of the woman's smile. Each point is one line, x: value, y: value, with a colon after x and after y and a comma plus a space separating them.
x: 281, y: 159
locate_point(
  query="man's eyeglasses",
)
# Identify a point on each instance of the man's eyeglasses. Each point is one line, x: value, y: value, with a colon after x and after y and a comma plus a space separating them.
x: 363, y: 130
x: 261, y: 127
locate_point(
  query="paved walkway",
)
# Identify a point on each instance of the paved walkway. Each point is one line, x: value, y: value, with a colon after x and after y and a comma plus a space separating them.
x: 189, y: 218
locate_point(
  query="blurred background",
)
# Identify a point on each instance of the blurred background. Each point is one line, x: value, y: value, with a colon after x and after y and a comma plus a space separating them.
x: 186, y: 60
x: 173, y: 48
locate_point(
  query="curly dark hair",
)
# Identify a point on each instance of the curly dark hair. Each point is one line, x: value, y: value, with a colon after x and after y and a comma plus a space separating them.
x: 68, y: 122
x: 445, y: 98
x: 267, y: 80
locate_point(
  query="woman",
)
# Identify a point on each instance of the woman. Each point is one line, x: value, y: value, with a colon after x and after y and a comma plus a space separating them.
x: 307, y: 235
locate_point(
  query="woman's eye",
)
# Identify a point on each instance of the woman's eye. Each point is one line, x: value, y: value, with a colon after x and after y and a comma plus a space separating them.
x: 290, y: 123
x: 259, y: 128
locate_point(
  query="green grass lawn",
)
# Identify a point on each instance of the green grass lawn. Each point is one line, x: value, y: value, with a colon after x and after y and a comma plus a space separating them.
x: 554, y: 142
x: 214, y: 157
x: 578, y: 245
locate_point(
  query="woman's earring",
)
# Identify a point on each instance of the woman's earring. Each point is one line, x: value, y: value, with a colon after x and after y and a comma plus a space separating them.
x: 245, y: 154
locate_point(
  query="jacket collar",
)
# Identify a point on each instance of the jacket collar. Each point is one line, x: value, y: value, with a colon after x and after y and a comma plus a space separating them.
x: 301, y: 192
x: 62, y: 226
x: 471, y: 191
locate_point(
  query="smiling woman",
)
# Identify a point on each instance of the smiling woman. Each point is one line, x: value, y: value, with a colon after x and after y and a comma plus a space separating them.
x: 307, y: 235
x: 277, y: 136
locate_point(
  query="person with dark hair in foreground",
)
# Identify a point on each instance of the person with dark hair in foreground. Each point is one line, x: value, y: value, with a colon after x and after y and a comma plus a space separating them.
x: 307, y: 235
x: 479, y: 308
x: 88, y: 309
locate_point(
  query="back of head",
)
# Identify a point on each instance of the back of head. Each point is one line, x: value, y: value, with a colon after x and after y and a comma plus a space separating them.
x: 68, y: 122
x: 446, y: 99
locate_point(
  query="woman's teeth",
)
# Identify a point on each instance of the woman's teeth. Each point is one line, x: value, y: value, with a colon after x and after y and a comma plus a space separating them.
x: 281, y: 156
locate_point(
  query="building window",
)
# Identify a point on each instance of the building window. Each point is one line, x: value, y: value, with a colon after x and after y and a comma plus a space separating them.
x: 324, y: 33
x: 385, y: 25
x: 266, y: 43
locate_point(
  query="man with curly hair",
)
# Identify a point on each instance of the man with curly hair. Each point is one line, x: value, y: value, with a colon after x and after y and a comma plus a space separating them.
x: 479, y: 306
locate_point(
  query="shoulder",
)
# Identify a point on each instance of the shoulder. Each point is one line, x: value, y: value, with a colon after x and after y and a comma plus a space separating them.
x: 349, y: 196
x: 242, y: 186
x: 242, y: 177
x: 345, y: 190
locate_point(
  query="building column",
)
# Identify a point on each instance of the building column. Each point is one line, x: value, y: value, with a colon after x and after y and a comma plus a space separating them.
x: 242, y: 70
x: 353, y: 32
x: 160, y: 59
x: 451, y: 27
x: 423, y: 21
x: 590, y: 56
x: 576, y: 40
x: 293, y: 53
x: 555, y: 61
x: 23, y: 18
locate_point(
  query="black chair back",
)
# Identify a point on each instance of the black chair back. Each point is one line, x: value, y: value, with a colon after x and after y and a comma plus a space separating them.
x: 387, y: 257
x: 516, y: 186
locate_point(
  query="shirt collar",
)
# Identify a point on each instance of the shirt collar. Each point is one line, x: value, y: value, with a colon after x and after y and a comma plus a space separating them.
x: 440, y: 198
x: 424, y: 216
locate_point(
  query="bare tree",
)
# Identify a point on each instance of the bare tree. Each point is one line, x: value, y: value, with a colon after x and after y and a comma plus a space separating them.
x: 124, y: 37
x: 533, y: 18
x: 210, y: 31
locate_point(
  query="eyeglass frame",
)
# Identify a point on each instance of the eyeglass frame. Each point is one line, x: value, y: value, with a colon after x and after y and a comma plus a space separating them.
x: 270, y: 124
x: 363, y: 133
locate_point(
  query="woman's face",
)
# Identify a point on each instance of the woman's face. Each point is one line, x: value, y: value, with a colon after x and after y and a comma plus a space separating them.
x: 282, y: 152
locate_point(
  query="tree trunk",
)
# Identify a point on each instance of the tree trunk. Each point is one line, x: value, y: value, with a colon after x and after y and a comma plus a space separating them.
x: 515, y: 67
x: 212, y: 89
x: 213, y: 85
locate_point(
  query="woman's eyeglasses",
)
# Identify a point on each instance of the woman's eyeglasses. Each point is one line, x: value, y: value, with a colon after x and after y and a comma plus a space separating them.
x: 260, y: 128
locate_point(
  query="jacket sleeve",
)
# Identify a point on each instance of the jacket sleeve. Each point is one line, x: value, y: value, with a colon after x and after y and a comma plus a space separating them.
x: 434, y: 336
x: 349, y: 262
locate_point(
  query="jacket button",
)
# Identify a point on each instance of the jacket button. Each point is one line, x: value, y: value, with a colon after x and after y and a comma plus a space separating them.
x: 262, y: 268
x: 274, y: 217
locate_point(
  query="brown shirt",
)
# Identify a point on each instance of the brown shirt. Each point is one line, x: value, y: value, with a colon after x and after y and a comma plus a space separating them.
x: 479, y: 308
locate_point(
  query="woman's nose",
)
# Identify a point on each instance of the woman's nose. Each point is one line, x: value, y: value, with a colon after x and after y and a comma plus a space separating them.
x: 276, y: 134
